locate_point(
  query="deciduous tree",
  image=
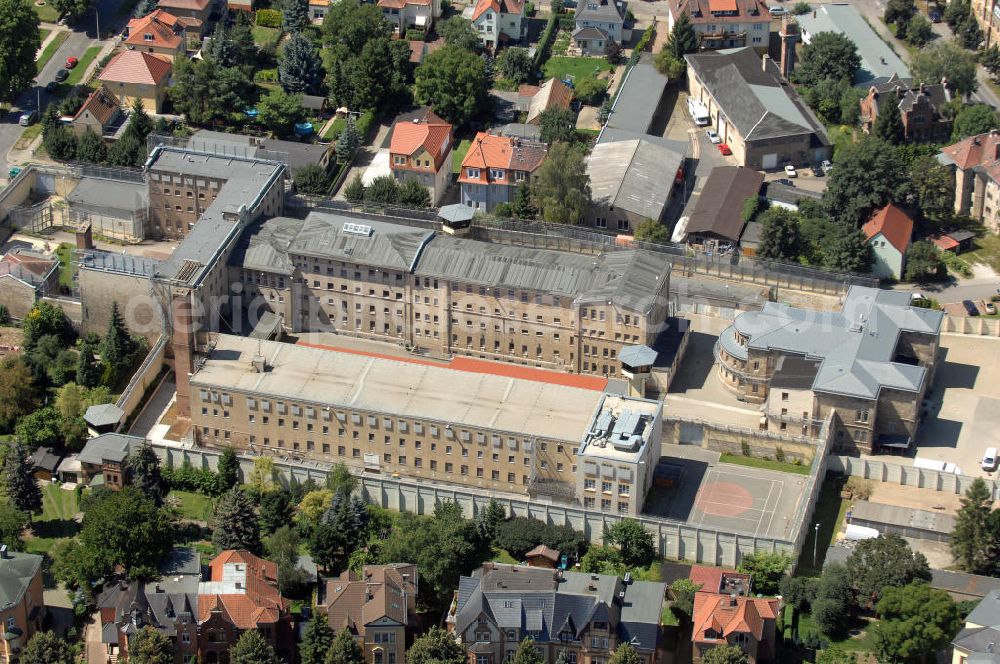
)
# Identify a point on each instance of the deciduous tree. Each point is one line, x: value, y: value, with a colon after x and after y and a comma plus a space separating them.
x: 974, y: 119
x: 650, y: 230
x: 412, y: 194
x: 125, y: 528
x: 454, y: 82
x: 633, y: 541
x: 515, y: 64
x: 150, y: 646
x: 884, y: 562
x: 831, y: 607
x: 19, y: 394
x: 625, y: 653
x: 767, y: 570
x: 923, y: 263
x: 279, y: 111
x: 251, y: 648
x: 91, y: 148
x: 527, y: 653
x: 563, y: 188
x: 915, y: 620
x: 869, y: 174
x: 436, y: 646
x: 946, y: 60
x: 457, y: 31
x: 47, y: 648
x: 725, y: 655
x: 828, y: 55
x: 779, y: 234
x: 557, y: 124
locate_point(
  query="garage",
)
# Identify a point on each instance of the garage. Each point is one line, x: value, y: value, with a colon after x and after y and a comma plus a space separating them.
x: 769, y: 161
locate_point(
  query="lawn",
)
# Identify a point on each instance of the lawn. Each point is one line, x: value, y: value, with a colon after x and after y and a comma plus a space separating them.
x: 27, y: 136
x: 561, y: 43
x: 987, y: 251
x: 769, y: 464
x: 42, y: 34
x: 333, y: 132
x: 194, y: 506
x: 829, y: 514
x: 59, y: 506
x: 46, y: 13
x: 51, y: 48
x: 264, y: 37
x: 67, y: 270
x: 863, y: 641
x: 459, y: 155
x: 77, y: 72
x: 577, y: 69
x: 501, y: 556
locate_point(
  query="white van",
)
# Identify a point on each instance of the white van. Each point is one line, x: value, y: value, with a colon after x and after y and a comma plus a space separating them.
x: 941, y: 466
x: 990, y: 459
x: 698, y: 111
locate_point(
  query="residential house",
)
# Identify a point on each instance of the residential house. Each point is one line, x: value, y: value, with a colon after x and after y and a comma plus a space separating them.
x: 318, y: 10
x: 870, y: 365
x: 918, y: 106
x: 497, y: 21
x: 102, y: 460
x: 99, y: 113
x: 44, y: 463
x: 879, y: 63
x: 159, y: 32
x: 494, y: 167
x: 977, y: 641
x: 630, y: 181
x: 420, y: 49
x: 25, y: 277
x: 406, y: 14
x: 242, y: 594
x: 724, y: 23
x: 421, y: 149
x: 731, y: 619
x: 600, y: 27
x: 139, y: 75
x: 889, y: 231
x: 977, y: 177
x: 194, y: 14
x: 755, y: 111
x: 378, y: 608
x: 987, y: 13
x: 535, y: 99
x: 22, y: 607
x: 584, y: 616
x: 719, y: 580
x: 716, y: 222
x: 542, y: 556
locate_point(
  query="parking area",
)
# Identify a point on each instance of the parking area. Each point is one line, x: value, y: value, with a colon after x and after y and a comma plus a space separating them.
x: 962, y: 414
x: 981, y: 307
x: 705, y: 493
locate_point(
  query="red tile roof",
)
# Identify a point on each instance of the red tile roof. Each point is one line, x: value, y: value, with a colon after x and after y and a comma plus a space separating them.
x: 136, y: 67
x: 429, y: 133
x: 544, y: 552
x: 981, y: 150
x: 501, y: 152
x: 399, y: 4
x: 725, y: 615
x: 196, y: 5
x: 258, y: 603
x: 894, y: 224
x: 101, y: 103
x: 944, y: 242
x: 725, y: 11
x: 498, y: 6
x: 159, y: 25
x: 709, y: 578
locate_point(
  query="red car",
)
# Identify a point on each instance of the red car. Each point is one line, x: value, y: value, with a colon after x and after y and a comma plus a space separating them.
x: 71, y: 62
x: 724, y: 149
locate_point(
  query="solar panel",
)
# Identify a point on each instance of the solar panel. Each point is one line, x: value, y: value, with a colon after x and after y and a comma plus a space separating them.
x: 358, y: 229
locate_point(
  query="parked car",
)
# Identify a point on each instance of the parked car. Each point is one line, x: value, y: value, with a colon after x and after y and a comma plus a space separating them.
x: 817, y: 170
x: 62, y: 75
x: 989, y: 308
x: 27, y: 118
x: 777, y: 11
x: 826, y: 165
x: 785, y: 181
x: 51, y: 86
x: 970, y: 307
x: 724, y: 149
x: 790, y: 171
x: 713, y: 136
x: 989, y: 463
x: 71, y: 62
x: 935, y: 15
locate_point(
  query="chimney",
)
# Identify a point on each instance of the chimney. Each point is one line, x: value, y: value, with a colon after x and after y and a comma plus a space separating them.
x: 259, y: 363
x: 764, y: 61
x: 3, y: 550
x: 732, y: 599
x: 789, y: 35
x: 183, y: 342
x: 85, y: 237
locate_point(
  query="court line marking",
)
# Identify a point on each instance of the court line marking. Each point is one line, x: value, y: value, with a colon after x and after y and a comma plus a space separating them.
x: 770, y: 522
x: 764, y: 511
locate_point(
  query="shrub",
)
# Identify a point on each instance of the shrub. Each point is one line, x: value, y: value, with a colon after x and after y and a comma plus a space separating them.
x: 365, y: 123
x: 779, y: 454
x: 415, y: 34
x: 592, y: 91
x: 858, y: 488
x: 745, y: 449
x: 545, y: 41
x: 268, y: 18
x: 529, y: 9
x: 188, y: 478
x: 567, y: 23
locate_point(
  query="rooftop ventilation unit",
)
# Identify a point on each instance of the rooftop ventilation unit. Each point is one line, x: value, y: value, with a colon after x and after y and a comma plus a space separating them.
x: 358, y: 229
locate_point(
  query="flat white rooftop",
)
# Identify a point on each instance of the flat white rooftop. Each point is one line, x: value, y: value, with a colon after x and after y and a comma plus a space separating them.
x: 621, y: 429
x: 403, y: 388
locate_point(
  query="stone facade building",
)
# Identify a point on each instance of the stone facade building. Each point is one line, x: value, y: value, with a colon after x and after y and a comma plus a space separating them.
x: 869, y: 364
x: 977, y: 177
x: 918, y: 107
x: 22, y: 607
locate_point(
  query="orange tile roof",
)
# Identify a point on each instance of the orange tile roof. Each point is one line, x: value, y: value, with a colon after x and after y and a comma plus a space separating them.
x: 136, y: 67
x: 196, y: 5
x: 159, y: 25
x: 430, y: 133
x: 726, y: 615
x: 981, y: 150
x: 486, y: 367
x: 498, y: 6
x: 544, y: 552
x: 399, y: 4
x: 894, y: 224
x: 709, y: 578
x: 502, y: 152
x: 259, y: 603
x: 101, y: 103
x: 552, y: 94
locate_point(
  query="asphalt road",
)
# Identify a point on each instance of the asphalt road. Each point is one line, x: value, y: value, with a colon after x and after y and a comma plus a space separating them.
x: 83, y: 36
x: 964, y: 289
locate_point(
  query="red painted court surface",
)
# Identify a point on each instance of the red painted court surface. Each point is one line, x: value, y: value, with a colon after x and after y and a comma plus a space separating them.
x: 485, y: 367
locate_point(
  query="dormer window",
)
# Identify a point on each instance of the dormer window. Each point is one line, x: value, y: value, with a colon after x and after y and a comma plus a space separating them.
x: 148, y: 36
x: 496, y: 174
x: 472, y: 173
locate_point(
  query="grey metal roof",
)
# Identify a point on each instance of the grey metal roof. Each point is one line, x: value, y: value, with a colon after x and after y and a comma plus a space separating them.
x: 878, y: 62
x: 754, y: 97
x: 601, y: 11
x: 44, y: 458
x: 637, y: 356
x: 519, y: 130
x: 113, y: 194
x: 105, y: 414
x: 16, y: 572
x: 109, y: 261
x: 638, y: 100
x: 110, y: 446
x: 987, y: 612
x: 634, y: 175
x: 963, y: 583
x: 456, y: 212
x: 790, y: 196
x: 590, y: 32
x: 906, y: 517
x: 794, y: 372
x: 983, y: 640
x: 751, y: 235
x: 297, y: 154
x: 719, y: 209
x: 268, y: 324
x: 856, y: 346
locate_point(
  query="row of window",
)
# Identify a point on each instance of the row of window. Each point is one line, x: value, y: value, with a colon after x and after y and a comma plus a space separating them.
x: 606, y: 505
x: 590, y: 484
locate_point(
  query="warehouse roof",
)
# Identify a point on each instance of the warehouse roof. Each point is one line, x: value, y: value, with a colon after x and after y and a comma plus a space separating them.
x: 906, y: 517
x: 635, y: 175
x: 638, y: 99
x: 719, y: 210
x: 407, y: 389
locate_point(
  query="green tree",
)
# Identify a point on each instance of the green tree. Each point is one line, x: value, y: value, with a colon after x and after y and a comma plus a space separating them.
x: 311, y: 179
x: 300, y: 68
x: 87, y: 372
x: 144, y: 470
x: 633, y: 541
x: 91, y: 148
x: 454, y: 82
x: 725, y: 654
x: 457, y: 31
x: 766, y: 570
x: 889, y: 125
x: 489, y: 520
x: 340, y: 480
x: 884, y: 562
x: 348, y: 26
x: 946, y: 60
x: 59, y: 140
x: 228, y: 468
x: 205, y: 92
x: 139, y: 121
x: 899, y: 12
x: 251, y: 648
x: 126, y: 528
x: 557, y: 124
x: 650, y: 230
x: 344, y: 649
x: 915, y: 620
x: 19, y: 481
x: 683, y: 591
x: 523, y: 207
x: 798, y: 592
x: 317, y: 639
x: 527, y: 653
x: 236, y: 524
x: 45, y: 319
x: 282, y: 548
x: 412, y: 194
x: 847, y: 250
x: 835, y: 654
x: 436, y: 646
x: 779, y: 234
x: 294, y: 16
x: 383, y: 190
x: 923, y: 263
x: 348, y: 142
x: 956, y: 11
x: 972, y: 120
x: 968, y: 33
x: 12, y: 523
x: 118, y: 348
x: 990, y: 59
x: 125, y: 151
x: 683, y: 39
x: 338, y: 531
x: 150, y: 646
x: 933, y: 186
x: 973, y: 541
x: 603, y: 560
x: 919, y: 30
x: 20, y: 42
x: 47, y: 648
x: 19, y: 394
x: 515, y: 64
x: 279, y: 111
x: 869, y: 174
x: 591, y: 91
x: 144, y: 7
x: 276, y: 510
x: 625, y: 653
x: 40, y: 428
x: 355, y: 190
x: 828, y: 55
x: 831, y: 607
x: 563, y: 188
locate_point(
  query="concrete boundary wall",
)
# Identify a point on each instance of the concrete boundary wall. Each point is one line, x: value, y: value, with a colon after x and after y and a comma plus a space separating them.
x: 986, y: 327
x: 151, y: 366
x: 893, y: 473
